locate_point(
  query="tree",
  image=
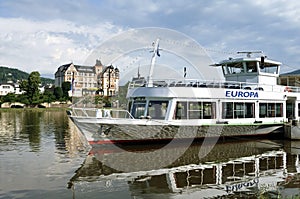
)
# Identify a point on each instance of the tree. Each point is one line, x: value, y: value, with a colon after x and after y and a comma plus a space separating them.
x: 9, y: 97
x: 66, y: 86
x: 58, y: 93
x: 31, y: 87
x: 48, y: 96
x: 22, y: 99
x: 99, y: 101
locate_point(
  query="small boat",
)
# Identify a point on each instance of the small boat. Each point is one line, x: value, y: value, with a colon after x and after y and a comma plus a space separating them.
x: 249, y: 102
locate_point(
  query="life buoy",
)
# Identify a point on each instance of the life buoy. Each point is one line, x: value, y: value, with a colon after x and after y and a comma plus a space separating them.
x: 288, y: 179
x: 287, y: 89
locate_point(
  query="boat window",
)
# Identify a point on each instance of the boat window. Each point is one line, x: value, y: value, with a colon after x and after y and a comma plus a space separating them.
x: 129, y: 106
x: 138, y: 109
x: 195, y: 110
x: 227, y: 110
x: 251, y: 67
x: 270, y: 110
x: 225, y: 70
x: 181, y: 110
x: 290, y: 108
x: 157, y: 109
x: 233, y: 68
x: 269, y: 68
x: 231, y: 110
x: 279, y: 110
x: 239, y: 110
x: 209, y: 110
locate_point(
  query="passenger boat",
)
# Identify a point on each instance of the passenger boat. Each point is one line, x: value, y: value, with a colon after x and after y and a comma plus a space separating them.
x: 249, y: 102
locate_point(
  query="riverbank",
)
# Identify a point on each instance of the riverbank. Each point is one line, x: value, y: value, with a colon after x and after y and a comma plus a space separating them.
x: 18, y: 105
x: 33, y: 109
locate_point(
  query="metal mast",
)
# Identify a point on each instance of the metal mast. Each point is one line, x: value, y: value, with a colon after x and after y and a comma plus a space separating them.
x: 154, y: 55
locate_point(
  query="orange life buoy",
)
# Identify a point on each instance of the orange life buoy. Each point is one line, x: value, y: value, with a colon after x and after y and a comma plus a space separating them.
x: 287, y: 89
x: 288, y: 179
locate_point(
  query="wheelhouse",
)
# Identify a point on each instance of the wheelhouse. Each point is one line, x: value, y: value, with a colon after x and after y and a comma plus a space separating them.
x: 251, y: 70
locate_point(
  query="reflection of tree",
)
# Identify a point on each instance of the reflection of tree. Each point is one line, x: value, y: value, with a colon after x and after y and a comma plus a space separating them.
x: 31, y: 127
x: 60, y: 125
x: 34, y: 125
x: 10, y: 126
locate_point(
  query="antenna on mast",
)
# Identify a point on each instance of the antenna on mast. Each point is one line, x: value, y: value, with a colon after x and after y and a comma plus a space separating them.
x: 154, y: 55
x: 138, y: 73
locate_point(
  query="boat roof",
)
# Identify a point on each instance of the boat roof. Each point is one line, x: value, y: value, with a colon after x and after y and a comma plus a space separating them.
x: 248, y: 58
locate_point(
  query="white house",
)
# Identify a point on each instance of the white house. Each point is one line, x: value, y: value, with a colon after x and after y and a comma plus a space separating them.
x: 6, y: 88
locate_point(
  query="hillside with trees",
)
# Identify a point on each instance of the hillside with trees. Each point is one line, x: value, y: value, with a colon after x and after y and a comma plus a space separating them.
x: 14, y: 75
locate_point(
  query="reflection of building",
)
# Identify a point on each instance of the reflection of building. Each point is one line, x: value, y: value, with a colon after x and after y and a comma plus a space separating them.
x: 89, y: 79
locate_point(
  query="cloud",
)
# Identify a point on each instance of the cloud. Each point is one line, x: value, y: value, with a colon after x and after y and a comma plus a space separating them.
x: 44, y: 34
x: 44, y: 45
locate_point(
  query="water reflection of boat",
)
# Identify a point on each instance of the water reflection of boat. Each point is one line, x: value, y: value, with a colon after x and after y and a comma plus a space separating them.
x: 248, y: 167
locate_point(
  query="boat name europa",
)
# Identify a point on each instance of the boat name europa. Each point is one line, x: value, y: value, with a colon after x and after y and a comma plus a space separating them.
x: 246, y: 94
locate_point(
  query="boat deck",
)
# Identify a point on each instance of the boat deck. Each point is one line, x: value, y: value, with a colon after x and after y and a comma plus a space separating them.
x: 216, y: 84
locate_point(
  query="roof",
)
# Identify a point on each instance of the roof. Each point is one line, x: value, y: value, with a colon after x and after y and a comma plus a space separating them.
x: 63, y: 68
x: 85, y: 69
x: 247, y: 59
x: 293, y: 73
x: 106, y: 68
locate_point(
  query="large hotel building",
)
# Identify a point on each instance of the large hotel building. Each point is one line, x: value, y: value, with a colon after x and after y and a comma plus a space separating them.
x: 97, y: 79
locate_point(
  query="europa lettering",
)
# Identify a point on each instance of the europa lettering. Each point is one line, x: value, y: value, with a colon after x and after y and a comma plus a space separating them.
x: 247, y: 94
x: 238, y: 186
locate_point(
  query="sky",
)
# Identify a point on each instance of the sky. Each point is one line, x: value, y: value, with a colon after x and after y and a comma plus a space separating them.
x: 38, y: 35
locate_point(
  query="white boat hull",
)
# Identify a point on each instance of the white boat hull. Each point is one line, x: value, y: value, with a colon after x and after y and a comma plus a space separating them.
x: 99, y: 131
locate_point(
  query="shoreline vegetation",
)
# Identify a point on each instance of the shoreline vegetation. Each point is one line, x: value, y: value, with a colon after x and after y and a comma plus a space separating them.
x: 33, y: 97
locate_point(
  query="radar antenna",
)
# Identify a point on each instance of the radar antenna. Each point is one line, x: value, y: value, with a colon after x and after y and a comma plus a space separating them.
x: 249, y: 53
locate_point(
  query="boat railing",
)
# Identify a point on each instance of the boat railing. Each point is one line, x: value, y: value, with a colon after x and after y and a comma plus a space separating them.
x: 101, y: 113
x: 214, y: 84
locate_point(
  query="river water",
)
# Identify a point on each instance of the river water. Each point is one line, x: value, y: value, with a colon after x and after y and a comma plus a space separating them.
x: 42, y: 155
